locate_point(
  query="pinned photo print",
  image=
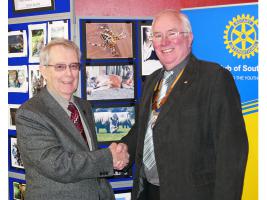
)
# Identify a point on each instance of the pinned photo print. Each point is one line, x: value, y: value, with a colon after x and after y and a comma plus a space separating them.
x: 122, y: 195
x: 16, y: 160
x: 37, y: 39
x: 26, y: 6
x: 36, y: 80
x: 108, y: 40
x: 17, y: 79
x: 113, y: 123
x: 150, y: 61
x: 17, y: 44
x: 12, y: 109
x: 58, y: 29
x: 110, y: 82
x: 19, y: 190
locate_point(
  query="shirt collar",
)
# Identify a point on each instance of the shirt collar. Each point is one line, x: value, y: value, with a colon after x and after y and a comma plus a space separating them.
x: 178, y: 68
x: 62, y: 101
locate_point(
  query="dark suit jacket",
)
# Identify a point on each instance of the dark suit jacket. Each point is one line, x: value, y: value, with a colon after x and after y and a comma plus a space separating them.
x: 57, y: 161
x: 199, y: 137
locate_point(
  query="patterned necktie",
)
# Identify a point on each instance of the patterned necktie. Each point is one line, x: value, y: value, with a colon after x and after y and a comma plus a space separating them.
x: 148, y: 153
x: 164, y: 85
x: 75, y: 118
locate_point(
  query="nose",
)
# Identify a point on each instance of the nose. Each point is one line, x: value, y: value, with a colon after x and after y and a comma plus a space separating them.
x: 165, y: 41
x: 68, y: 71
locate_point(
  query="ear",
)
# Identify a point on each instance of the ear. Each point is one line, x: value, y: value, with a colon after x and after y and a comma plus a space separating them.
x: 191, y: 37
x: 43, y: 71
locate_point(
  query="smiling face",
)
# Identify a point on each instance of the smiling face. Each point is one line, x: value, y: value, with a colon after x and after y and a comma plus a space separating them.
x: 63, y: 83
x: 171, y: 51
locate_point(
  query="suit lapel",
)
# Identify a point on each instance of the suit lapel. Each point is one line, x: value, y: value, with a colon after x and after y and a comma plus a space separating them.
x: 61, y: 117
x: 146, y: 101
x: 181, y: 86
x: 89, y: 122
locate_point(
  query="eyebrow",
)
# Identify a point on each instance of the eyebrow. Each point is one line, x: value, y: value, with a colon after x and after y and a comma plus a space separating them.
x: 173, y: 29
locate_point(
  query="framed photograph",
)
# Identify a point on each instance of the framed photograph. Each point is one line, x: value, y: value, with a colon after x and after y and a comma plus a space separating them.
x: 17, y: 189
x: 150, y: 61
x: 58, y: 29
x: 122, y: 195
x: 110, y: 82
x: 17, y: 43
x: 113, y: 123
x: 37, y: 39
x: 12, y: 109
x: 108, y: 40
x: 17, y: 79
x: 22, y: 6
x: 36, y: 80
x: 15, y: 158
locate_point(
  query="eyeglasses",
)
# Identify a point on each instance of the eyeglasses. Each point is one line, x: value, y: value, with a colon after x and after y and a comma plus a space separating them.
x: 63, y: 67
x: 171, y: 35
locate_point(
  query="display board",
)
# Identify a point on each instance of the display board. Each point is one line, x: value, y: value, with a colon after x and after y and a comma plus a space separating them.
x: 117, y: 55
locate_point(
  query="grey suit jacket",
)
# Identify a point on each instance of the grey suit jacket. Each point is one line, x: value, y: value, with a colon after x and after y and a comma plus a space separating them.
x: 57, y: 161
x: 200, y: 139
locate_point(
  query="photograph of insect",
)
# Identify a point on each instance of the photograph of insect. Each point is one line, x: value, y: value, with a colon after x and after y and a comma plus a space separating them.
x: 109, y: 40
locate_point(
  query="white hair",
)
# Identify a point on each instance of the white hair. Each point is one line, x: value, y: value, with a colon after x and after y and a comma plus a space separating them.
x: 45, y: 51
x: 180, y: 16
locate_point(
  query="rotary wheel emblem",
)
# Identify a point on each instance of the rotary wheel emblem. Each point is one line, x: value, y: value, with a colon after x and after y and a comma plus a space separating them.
x: 241, y: 36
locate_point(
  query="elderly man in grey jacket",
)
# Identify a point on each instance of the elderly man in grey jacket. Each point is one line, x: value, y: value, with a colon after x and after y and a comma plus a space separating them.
x: 56, y: 135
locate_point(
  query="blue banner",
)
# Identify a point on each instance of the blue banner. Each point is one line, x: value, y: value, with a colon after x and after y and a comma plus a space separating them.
x: 229, y: 36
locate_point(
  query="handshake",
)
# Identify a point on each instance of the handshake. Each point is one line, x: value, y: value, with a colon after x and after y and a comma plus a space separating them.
x: 120, y: 155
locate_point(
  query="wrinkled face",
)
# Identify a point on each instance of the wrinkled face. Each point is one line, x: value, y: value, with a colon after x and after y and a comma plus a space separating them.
x: 63, y: 83
x: 171, y: 49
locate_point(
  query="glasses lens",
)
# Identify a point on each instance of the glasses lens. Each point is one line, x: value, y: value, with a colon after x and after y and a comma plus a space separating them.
x: 157, y: 36
x: 74, y: 66
x: 172, y: 35
x: 60, y: 67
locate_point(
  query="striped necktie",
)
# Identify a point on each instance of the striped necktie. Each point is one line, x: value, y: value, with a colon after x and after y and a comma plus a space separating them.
x: 164, y: 85
x: 148, y: 152
x: 76, y: 119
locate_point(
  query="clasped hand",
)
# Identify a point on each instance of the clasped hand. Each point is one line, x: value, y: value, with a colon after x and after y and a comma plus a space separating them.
x: 120, y: 155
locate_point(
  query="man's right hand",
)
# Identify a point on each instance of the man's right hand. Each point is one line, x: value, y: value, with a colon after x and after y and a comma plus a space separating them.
x: 120, y: 155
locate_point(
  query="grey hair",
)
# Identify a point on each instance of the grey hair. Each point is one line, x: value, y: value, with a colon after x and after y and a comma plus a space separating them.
x: 45, y: 51
x: 182, y: 17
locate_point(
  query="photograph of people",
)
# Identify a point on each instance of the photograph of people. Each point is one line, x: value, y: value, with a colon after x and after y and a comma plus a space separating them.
x: 150, y: 61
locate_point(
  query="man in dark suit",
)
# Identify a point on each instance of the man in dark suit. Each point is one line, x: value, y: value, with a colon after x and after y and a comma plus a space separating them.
x: 56, y: 135
x: 190, y: 140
